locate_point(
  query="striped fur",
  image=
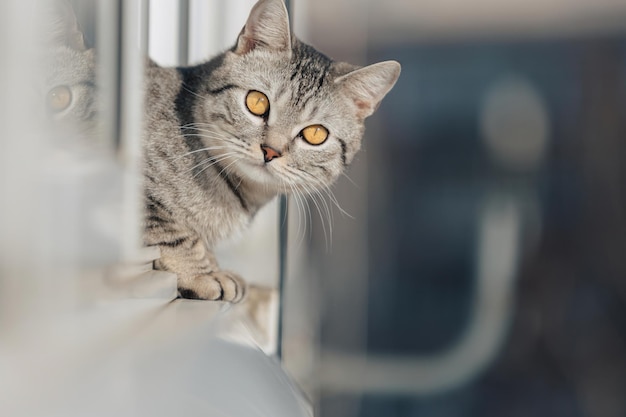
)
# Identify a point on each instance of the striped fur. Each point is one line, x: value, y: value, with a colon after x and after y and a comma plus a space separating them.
x: 205, y: 174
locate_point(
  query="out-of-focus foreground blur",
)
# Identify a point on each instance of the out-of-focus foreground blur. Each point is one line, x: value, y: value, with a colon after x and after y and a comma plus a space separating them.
x: 476, y: 268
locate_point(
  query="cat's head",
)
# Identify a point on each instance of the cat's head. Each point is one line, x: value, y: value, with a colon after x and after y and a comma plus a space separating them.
x: 284, y: 114
x: 68, y: 89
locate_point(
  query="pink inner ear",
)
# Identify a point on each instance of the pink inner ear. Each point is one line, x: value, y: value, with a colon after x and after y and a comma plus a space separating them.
x: 246, y: 45
x: 363, y: 106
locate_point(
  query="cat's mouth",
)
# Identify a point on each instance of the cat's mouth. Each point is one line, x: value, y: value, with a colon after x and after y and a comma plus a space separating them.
x: 257, y: 171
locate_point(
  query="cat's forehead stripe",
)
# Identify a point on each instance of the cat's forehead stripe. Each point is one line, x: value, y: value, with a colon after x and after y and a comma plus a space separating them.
x: 310, y: 71
x: 281, y: 91
x: 314, y: 110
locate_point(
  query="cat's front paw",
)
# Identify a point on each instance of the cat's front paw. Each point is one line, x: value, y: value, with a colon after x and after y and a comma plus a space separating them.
x: 218, y: 285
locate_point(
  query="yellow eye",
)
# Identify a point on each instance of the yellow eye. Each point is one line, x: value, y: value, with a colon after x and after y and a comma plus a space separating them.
x: 257, y: 103
x: 315, y: 134
x: 59, y: 98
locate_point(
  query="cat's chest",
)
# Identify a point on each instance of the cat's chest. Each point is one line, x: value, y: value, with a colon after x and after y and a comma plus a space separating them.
x: 219, y: 222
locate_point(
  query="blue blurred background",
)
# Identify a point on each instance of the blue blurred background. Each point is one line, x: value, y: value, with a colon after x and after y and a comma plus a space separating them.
x: 530, y: 118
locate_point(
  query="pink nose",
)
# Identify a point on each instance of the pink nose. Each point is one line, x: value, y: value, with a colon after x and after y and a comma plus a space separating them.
x: 269, y: 153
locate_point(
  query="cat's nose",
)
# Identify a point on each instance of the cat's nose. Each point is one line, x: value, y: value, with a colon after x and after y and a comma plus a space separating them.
x: 270, y: 153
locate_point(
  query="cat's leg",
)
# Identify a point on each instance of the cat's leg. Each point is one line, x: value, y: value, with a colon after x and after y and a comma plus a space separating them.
x: 199, y: 276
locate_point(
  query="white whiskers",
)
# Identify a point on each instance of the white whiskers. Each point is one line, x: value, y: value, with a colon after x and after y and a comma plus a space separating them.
x: 306, y: 188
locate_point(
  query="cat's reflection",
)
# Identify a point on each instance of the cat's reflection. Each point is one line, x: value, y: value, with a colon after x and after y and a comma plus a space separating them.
x: 68, y: 89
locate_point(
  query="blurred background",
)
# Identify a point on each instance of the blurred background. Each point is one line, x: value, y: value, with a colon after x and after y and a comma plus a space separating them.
x: 477, y: 266
x: 484, y: 274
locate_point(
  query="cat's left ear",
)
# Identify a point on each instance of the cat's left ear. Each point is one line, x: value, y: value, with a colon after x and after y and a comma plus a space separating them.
x: 267, y: 27
x: 62, y: 26
x: 367, y: 86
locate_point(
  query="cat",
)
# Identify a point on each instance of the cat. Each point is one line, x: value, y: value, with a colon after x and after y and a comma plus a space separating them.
x: 69, y: 96
x: 270, y: 115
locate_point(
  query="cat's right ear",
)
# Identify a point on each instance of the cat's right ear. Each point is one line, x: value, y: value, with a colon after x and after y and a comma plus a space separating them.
x: 266, y: 27
x: 62, y: 25
x: 367, y: 86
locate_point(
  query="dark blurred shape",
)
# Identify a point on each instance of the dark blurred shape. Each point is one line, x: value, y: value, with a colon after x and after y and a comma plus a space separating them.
x: 542, y: 123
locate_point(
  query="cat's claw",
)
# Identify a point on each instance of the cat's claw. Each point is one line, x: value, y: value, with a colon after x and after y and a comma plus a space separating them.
x: 218, y: 285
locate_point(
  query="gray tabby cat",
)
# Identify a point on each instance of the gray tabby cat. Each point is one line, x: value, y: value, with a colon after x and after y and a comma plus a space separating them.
x: 269, y: 116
